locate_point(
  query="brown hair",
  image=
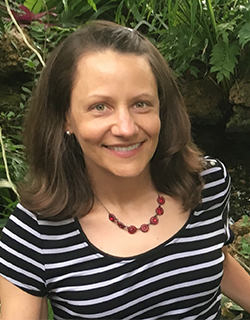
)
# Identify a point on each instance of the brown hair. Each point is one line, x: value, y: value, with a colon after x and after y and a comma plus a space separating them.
x: 57, y: 184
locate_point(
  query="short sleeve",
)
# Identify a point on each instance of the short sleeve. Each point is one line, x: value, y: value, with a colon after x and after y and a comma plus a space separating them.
x: 219, y: 180
x: 21, y: 258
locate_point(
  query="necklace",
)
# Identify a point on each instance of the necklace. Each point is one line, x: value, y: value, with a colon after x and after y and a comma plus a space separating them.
x: 145, y: 226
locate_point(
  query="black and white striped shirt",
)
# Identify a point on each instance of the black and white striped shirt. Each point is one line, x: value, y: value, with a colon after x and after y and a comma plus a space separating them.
x: 179, y: 279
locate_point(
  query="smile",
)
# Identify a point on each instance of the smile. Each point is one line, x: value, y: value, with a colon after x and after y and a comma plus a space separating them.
x: 125, y: 149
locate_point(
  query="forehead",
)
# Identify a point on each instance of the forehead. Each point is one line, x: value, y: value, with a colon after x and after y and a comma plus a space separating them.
x: 121, y: 77
x: 109, y: 62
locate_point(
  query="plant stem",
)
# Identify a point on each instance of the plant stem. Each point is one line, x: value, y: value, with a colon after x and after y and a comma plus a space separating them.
x: 6, y: 164
x: 211, y: 14
x: 22, y: 34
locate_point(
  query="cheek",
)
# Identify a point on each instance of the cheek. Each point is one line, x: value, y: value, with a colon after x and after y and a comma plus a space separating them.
x: 155, y: 127
x: 88, y: 136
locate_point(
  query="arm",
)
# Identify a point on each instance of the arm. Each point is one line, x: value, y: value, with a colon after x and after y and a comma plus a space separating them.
x: 18, y: 304
x: 235, y: 283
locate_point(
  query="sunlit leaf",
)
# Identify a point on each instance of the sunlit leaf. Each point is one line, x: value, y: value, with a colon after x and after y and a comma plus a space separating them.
x: 244, y: 34
x: 34, y: 6
x: 5, y: 184
x: 92, y: 4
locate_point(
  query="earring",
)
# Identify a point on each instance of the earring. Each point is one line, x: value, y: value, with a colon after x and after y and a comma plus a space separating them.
x: 68, y: 133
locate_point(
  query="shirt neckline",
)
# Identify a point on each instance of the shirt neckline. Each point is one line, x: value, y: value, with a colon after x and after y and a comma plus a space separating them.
x: 140, y: 255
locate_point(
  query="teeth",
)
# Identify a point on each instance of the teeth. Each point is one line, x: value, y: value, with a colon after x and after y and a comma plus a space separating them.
x: 125, y: 149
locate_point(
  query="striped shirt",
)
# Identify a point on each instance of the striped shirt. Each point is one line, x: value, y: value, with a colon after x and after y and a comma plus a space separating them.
x: 179, y: 279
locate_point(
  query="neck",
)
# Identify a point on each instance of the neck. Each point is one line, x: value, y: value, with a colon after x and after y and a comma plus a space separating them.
x: 120, y: 190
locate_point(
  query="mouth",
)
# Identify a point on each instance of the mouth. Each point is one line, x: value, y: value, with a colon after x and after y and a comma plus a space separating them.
x: 123, y: 148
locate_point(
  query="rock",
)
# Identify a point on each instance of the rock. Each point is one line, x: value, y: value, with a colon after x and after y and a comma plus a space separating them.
x: 240, y: 120
x: 239, y: 93
x: 240, y: 228
x: 9, y: 97
x: 12, y: 49
x: 240, y: 98
x: 203, y: 100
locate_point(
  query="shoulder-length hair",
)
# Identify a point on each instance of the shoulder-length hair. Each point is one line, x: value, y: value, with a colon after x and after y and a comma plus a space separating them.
x: 57, y: 184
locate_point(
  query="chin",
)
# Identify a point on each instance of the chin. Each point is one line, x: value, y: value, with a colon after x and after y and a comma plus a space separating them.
x: 130, y: 173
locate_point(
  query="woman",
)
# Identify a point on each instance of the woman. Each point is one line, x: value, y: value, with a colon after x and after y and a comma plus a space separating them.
x: 121, y: 217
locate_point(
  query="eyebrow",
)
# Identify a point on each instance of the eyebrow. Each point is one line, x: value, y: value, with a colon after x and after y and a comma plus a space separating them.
x: 144, y: 95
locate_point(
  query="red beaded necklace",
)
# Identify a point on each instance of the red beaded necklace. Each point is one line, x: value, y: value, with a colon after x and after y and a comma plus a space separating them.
x: 145, y: 226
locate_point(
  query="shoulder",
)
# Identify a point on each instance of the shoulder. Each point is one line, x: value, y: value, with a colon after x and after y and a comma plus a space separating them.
x: 216, y: 180
x: 214, y: 169
x: 22, y: 221
x: 28, y: 225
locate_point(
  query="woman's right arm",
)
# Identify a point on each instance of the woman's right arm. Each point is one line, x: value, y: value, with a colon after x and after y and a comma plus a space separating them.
x: 17, y: 304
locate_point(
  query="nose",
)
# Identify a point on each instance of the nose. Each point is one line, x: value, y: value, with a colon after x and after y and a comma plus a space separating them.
x: 124, y: 123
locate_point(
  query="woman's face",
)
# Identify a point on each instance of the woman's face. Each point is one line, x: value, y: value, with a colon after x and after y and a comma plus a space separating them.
x: 114, y: 113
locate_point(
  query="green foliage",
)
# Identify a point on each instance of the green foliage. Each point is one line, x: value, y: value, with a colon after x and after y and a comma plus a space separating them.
x: 50, y: 312
x: 12, y: 167
x: 201, y: 37
x: 34, y: 6
x: 45, y: 40
x: 246, y: 221
x: 196, y: 37
x: 245, y: 241
x: 245, y: 251
x: 92, y: 4
x: 223, y: 59
x: 72, y: 13
x: 244, y: 34
x: 230, y: 310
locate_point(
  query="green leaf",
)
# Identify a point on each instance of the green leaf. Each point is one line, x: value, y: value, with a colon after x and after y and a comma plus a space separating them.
x: 65, y: 4
x: 118, y: 14
x: 23, y: 96
x: 233, y: 306
x: 246, y: 220
x: 229, y: 304
x: 27, y: 90
x: 2, y: 26
x: 136, y: 13
x: 34, y: 6
x: 3, y: 222
x: 92, y: 4
x: 31, y: 64
x: 74, y: 4
x: 194, y: 71
x: 223, y: 59
x: 101, y: 10
x: 244, y: 34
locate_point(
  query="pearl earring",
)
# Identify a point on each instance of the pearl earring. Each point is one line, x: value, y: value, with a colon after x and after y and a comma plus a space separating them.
x: 68, y: 133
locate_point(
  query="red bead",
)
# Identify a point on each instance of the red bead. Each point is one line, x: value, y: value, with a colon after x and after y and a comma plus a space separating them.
x: 159, y: 211
x: 154, y: 220
x: 112, y: 217
x: 144, y: 227
x: 132, y: 229
x: 161, y: 200
x: 121, y: 225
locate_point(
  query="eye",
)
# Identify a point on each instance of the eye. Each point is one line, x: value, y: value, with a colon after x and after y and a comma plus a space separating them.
x: 100, y: 107
x: 141, y: 104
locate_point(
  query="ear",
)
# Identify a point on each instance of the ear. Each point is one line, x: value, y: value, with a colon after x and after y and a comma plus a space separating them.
x: 68, y: 123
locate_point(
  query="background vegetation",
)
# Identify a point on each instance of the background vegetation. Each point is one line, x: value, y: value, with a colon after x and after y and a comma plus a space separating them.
x: 198, y: 38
